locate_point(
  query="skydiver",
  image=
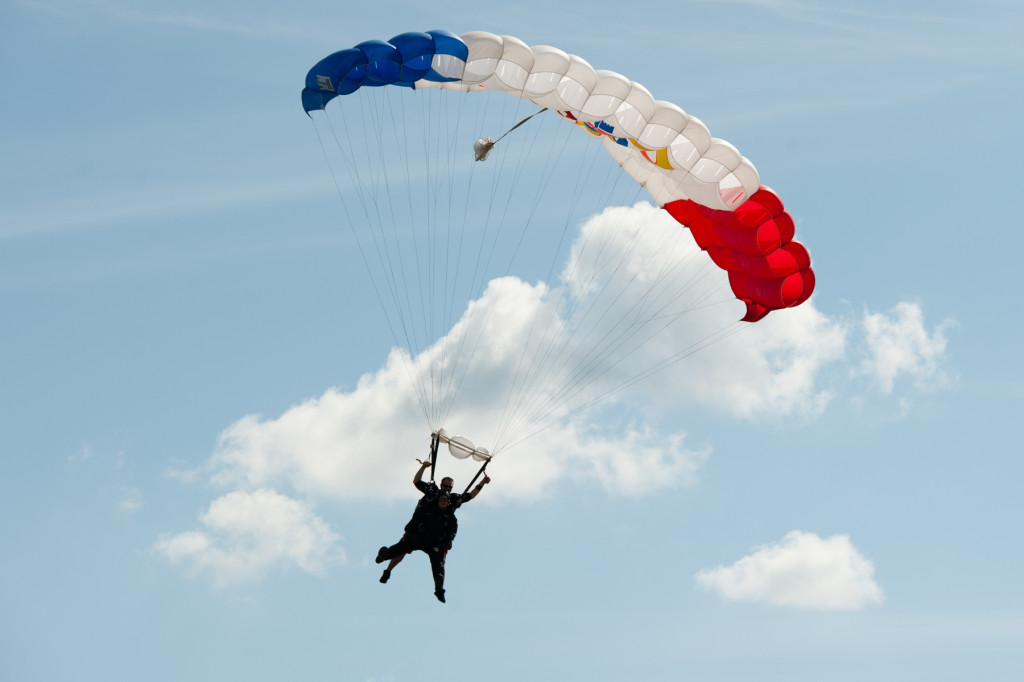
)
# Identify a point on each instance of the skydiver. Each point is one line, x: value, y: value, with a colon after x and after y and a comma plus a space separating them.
x: 432, y: 527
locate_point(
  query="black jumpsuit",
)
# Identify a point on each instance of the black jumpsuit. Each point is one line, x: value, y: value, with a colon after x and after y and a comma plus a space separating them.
x: 431, y: 530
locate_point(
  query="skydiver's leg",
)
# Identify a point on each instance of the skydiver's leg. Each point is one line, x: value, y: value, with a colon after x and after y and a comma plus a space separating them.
x: 386, y: 575
x: 395, y: 553
x: 399, y: 549
x: 437, y: 556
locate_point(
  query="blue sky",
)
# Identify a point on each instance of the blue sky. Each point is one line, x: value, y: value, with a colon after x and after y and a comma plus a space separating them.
x: 204, y: 441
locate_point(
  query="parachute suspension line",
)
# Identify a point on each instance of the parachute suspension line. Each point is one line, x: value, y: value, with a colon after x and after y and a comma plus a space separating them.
x: 434, y: 173
x: 421, y: 242
x: 444, y: 169
x: 496, y: 182
x: 471, y: 330
x: 453, y: 147
x: 545, y: 366
x: 438, y: 386
x: 363, y: 194
x: 595, y: 364
x: 651, y: 308
x: 450, y: 382
x: 438, y: 373
x: 355, y: 233
x: 423, y: 252
x: 697, y: 346
x: 394, y: 272
x: 432, y: 380
x: 422, y: 269
x: 598, y: 264
x: 524, y: 382
x: 385, y: 109
x: 460, y: 367
x: 393, y: 258
x: 438, y: 171
x: 469, y: 193
x: 493, y: 239
x: 601, y: 358
x: 605, y: 253
x: 438, y: 201
x: 525, y: 153
x: 607, y: 353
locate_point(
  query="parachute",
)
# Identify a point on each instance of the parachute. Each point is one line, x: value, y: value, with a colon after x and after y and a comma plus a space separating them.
x: 702, y: 182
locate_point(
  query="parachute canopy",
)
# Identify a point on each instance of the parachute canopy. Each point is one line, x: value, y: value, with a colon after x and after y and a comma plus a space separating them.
x: 701, y: 181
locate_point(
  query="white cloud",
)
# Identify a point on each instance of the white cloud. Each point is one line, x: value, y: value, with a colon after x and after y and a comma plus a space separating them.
x: 899, y: 345
x: 247, y: 534
x: 769, y: 370
x: 623, y: 276
x: 131, y: 500
x: 803, y: 571
x: 359, y: 445
x: 749, y: 371
x: 84, y: 453
x: 182, y: 471
x: 624, y: 273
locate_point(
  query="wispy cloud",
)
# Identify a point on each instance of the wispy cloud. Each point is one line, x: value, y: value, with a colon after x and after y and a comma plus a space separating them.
x: 898, y: 345
x: 802, y: 571
x: 896, y: 30
x: 202, y: 18
x: 166, y: 202
x: 84, y: 453
x: 852, y: 58
x: 131, y: 500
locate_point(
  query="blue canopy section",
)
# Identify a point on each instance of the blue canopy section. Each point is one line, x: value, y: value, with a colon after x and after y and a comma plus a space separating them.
x: 417, y: 51
x: 403, y: 60
x: 447, y: 44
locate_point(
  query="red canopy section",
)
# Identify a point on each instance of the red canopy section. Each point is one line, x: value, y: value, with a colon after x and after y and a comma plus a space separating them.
x: 754, y: 244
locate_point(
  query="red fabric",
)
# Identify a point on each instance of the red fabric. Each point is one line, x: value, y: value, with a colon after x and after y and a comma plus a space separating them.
x: 767, y: 269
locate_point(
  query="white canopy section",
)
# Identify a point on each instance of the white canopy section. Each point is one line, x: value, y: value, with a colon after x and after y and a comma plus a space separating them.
x: 669, y: 152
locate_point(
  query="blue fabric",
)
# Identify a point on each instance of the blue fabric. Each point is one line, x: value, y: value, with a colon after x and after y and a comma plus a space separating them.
x: 447, y: 43
x: 416, y: 50
x: 403, y: 60
x: 385, y: 63
x: 338, y: 74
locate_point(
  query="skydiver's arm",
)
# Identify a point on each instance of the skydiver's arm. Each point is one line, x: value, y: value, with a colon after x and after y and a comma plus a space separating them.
x: 419, y: 474
x: 480, y: 486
